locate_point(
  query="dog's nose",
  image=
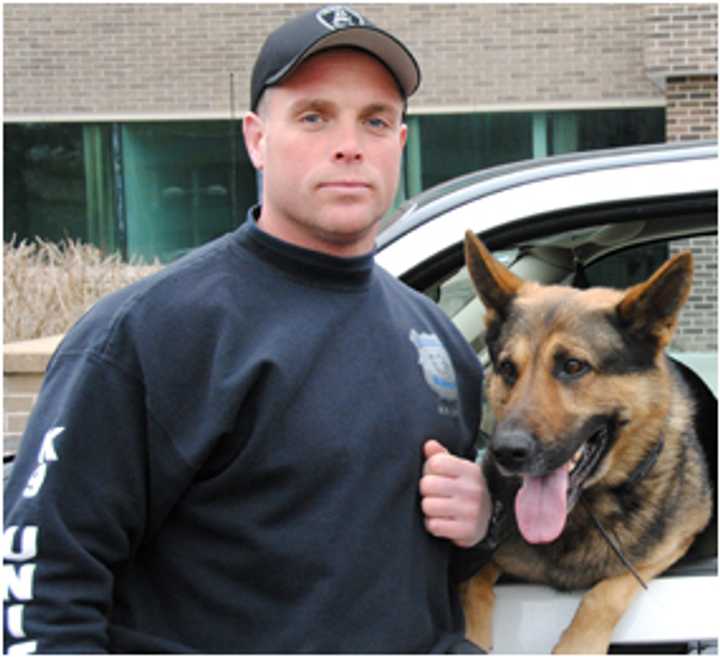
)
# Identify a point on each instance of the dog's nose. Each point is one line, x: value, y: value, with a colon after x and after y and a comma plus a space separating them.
x: 513, y: 449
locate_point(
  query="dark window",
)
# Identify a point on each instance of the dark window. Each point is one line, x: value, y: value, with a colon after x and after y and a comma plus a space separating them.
x: 454, y: 144
x: 626, y: 268
x: 46, y: 170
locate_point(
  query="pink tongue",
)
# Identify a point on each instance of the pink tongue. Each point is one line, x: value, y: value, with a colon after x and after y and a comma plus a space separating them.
x: 541, y: 506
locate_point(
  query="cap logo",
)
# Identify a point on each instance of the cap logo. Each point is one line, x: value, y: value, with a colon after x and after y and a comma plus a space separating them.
x: 339, y: 18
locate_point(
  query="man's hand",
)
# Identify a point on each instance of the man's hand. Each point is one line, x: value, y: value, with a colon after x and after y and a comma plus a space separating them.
x: 455, y: 499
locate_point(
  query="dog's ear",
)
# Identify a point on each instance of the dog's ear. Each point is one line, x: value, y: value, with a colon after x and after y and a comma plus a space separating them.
x: 496, y: 285
x: 651, y: 309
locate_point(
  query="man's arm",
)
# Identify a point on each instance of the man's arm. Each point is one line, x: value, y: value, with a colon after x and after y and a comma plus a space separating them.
x: 75, y: 506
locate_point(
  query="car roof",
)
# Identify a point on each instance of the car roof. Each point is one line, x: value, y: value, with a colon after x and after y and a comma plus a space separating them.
x: 447, y: 196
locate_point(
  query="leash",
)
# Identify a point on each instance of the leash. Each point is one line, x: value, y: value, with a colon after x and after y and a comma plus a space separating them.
x: 613, y: 544
x: 640, y: 471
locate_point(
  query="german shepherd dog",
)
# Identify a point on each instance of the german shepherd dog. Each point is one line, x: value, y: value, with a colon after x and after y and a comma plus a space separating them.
x: 593, y: 455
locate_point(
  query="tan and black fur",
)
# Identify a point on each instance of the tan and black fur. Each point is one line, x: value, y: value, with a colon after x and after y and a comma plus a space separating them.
x: 586, y: 370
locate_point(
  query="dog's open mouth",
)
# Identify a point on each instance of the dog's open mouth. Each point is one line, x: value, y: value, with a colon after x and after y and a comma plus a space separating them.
x: 543, y: 502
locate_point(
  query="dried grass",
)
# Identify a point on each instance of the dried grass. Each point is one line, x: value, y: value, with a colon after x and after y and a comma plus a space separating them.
x: 47, y: 286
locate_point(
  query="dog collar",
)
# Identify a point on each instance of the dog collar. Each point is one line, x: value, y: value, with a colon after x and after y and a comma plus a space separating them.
x: 641, y: 469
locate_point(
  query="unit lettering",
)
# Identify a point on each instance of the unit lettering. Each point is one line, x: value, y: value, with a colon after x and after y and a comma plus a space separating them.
x: 18, y: 581
x: 20, y: 549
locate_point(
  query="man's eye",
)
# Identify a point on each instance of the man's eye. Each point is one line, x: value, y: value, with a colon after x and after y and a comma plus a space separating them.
x: 378, y: 123
x: 311, y: 119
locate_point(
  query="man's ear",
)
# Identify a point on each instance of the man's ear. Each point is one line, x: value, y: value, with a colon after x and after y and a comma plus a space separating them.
x: 403, y: 135
x: 254, y: 134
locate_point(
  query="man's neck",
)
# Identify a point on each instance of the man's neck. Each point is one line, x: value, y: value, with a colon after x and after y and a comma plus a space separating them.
x: 316, y: 240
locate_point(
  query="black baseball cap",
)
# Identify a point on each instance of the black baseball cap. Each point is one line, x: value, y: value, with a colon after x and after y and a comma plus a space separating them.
x: 330, y: 27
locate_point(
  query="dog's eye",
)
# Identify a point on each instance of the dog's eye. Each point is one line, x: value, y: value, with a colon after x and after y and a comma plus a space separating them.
x: 506, y: 369
x: 573, y: 368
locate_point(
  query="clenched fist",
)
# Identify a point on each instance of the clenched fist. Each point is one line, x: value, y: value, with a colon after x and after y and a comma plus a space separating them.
x: 454, y: 496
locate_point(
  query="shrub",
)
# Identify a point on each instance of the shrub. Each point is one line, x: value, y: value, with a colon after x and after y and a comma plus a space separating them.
x: 47, y: 286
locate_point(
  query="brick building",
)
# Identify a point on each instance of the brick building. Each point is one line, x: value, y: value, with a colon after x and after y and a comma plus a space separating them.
x: 100, y: 100
x: 79, y: 62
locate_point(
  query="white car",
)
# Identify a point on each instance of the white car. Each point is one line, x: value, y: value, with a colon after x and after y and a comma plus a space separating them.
x: 600, y: 218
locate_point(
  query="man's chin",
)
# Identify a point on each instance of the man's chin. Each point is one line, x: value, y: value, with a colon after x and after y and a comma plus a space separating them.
x: 349, y: 238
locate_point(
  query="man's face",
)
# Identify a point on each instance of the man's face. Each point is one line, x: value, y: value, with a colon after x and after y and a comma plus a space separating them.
x: 329, y: 141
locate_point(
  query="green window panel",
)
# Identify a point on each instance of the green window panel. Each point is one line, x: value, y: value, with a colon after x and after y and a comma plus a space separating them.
x: 101, y: 228
x: 181, y: 187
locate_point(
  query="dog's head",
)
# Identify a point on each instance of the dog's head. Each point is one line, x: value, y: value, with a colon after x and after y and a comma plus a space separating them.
x: 579, y: 383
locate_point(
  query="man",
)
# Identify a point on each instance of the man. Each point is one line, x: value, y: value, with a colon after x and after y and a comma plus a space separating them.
x: 260, y: 449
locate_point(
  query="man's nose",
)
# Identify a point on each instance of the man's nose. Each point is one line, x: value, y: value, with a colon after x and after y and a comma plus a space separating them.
x: 349, y: 145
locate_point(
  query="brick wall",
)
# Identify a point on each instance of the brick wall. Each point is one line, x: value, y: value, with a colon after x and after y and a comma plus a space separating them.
x: 681, y: 40
x: 681, y: 56
x: 692, y: 109
x: 19, y: 395
x: 697, y: 329
x: 505, y: 54
x: 24, y: 366
x: 171, y: 60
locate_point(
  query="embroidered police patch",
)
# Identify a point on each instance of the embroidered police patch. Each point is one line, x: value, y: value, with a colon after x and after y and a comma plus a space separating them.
x: 437, y: 369
x: 339, y: 18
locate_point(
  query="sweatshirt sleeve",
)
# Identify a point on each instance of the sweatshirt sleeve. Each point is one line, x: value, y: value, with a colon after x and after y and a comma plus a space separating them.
x: 466, y: 562
x: 76, y: 504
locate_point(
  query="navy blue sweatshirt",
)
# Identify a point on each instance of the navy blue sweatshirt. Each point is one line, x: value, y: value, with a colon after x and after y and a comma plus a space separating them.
x: 225, y: 457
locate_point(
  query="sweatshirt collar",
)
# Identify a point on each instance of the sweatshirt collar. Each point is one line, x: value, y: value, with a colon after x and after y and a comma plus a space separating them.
x: 310, y: 266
